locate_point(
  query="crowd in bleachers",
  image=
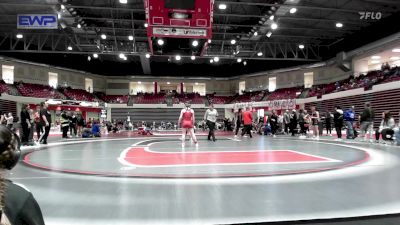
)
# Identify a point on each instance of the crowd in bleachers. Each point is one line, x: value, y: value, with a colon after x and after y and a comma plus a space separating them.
x: 385, y: 75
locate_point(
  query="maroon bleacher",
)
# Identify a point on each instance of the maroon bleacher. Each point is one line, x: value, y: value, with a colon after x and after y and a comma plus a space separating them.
x: 284, y: 93
x: 38, y: 91
x: 150, y: 98
x: 194, y: 98
x: 79, y: 95
x: 4, y: 87
x: 122, y: 99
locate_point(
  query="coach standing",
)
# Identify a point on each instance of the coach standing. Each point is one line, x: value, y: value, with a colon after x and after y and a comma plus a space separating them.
x: 45, y: 119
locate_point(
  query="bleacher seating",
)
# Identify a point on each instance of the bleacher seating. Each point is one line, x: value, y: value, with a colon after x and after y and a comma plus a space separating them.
x: 4, y: 87
x: 38, y: 91
x: 122, y: 99
x: 284, y: 93
x: 150, y: 98
x: 194, y: 98
x: 79, y: 95
x: 219, y: 99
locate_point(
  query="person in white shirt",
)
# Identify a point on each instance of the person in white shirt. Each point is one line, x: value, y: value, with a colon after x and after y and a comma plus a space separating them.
x: 10, y: 120
x: 210, y: 117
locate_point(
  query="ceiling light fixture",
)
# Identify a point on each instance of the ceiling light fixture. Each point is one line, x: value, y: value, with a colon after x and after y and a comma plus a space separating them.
x: 293, y: 10
x: 19, y: 36
x: 396, y: 50
x: 195, y: 43
x: 160, y: 42
x: 62, y: 7
x: 79, y: 26
x: 130, y: 37
x: 209, y: 41
x: 394, y: 58
x: 239, y: 60
x: 339, y: 25
x: 216, y: 59
x: 271, y: 17
x: 375, y: 61
x: 192, y: 57
x: 123, y: 1
x: 211, y: 61
x: 244, y: 63
x: 255, y: 33
x: 178, y: 57
x: 269, y: 34
x: 301, y: 46
x: 146, y: 24
x: 121, y: 55
x: 259, y: 53
x: 222, y: 6
x: 375, y: 57
x: 95, y: 55
x: 69, y: 48
x: 148, y: 55
x: 103, y: 36
x: 89, y: 58
x: 233, y: 41
x: 274, y: 26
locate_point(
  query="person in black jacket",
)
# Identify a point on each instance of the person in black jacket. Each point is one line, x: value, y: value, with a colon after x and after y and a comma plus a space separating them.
x: 25, y: 124
x: 273, y: 122
x: 17, y: 204
x: 293, y: 122
x: 338, y: 121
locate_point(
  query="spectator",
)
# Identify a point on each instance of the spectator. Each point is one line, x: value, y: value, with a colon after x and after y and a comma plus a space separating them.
x: 315, y: 119
x: 328, y: 123
x: 18, y: 206
x: 293, y: 122
x: 273, y: 121
x: 80, y: 124
x: 38, y: 124
x: 2, y: 117
x: 238, y: 121
x: 349, y: 117
x: 96, y: 129
x: 73, y: 124
x: 32, y: 122
x: 211, y: 116
x: 64, y: 120
x: 10, y: 120
x: 302, y: 123
x: 386, y: 127
x: 366, y: 121
x: 247, y: 121
x: 286, y: 121
x: 338, y: 121
x: 45, y: 120
x: 25, y: 124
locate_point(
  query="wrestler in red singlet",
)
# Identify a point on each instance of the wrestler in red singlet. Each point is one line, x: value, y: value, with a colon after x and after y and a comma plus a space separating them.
x: 187, y: 119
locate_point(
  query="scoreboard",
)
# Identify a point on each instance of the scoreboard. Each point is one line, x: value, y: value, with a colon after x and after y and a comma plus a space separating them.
x: 182, y: 19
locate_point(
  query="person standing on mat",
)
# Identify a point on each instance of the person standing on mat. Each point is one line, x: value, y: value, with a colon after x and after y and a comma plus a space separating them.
x: 210, y: 117
x: 239, y: 121
x: 38, y: 124
x: 45, y: 119
x: 314, y: 122
x: 25, y: 124
x: 247, y: 122
x: 273, y: 122
x: 186, y: 121
x: 338, y: 121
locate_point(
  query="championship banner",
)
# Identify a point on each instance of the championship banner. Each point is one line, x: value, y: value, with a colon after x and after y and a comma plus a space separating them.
x: 276, y: 104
